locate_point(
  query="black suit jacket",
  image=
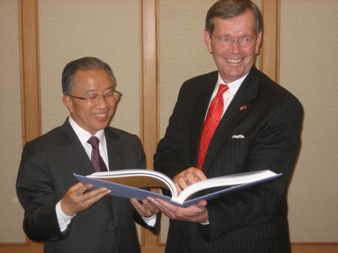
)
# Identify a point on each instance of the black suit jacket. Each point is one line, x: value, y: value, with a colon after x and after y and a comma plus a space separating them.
x: 270, y: 119
x: 46, y: 173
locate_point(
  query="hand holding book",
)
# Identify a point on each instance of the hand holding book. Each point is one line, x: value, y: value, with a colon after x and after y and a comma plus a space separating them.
x: 129, y: 183
x: 188, y: 177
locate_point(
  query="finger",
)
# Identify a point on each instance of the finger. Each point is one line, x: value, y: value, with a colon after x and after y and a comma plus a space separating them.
x: 181, y: 183
x: 80, y: 188
x: 77, y: 187
x: 166, y: 206
x: 156, y: 204
x: 200, y: 174
x: 195, y: 174
x: 89, y: 200
x: 147, y: 205
x: 144, y: 208
x: 191, y: 178
x: 153, y: 201
x: 150, y: 207
x: 96, y: 194
x: 136, y: 204
x: 202, y: 204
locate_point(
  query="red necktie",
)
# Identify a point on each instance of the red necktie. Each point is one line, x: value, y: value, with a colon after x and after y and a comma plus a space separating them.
x: 96, y: 159
x: 211, y: 122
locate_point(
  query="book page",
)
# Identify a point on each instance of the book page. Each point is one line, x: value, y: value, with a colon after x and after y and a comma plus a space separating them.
x: 228, y: 180
x: 139, y: 178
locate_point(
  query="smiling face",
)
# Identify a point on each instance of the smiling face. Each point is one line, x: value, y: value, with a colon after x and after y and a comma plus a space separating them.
x: 91, y: 116
x: 234, y: 45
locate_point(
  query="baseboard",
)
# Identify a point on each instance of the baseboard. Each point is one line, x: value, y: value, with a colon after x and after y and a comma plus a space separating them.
x: 315, y: 247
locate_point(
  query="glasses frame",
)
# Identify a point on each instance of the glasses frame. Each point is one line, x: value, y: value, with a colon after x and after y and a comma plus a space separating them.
x: 117, y: 96
x: 242, y: 41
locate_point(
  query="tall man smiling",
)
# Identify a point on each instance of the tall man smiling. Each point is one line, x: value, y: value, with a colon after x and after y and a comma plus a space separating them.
x: 259, y: 129
x: 59, y: 210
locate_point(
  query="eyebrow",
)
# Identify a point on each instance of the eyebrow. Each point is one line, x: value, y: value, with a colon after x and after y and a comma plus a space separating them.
x: 108, y: 88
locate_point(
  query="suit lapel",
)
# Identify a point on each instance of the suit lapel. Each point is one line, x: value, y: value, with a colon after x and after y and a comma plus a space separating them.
x: 114, y: 150
x: 241, y: 104
x: 116, y: 162
x: 78, y: 156
x: 75, y: 152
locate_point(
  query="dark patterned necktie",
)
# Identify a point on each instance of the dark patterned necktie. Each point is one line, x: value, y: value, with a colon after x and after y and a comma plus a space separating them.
x: 96, y: 159
x: 211, y: 122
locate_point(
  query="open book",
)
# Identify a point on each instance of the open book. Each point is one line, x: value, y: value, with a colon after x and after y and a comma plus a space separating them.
x: 129, y: 183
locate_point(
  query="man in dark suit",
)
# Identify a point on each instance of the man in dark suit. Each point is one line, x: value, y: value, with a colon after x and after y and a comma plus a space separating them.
x: 67, y: 215
x: 259, y: 129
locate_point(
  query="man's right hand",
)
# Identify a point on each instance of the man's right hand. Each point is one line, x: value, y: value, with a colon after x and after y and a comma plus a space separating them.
x: 78, y: 198
x: 188, y: 177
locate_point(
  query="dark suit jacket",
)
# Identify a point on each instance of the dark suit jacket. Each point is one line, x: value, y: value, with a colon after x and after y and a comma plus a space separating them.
x: 46, y: 173
x: 270, y: 119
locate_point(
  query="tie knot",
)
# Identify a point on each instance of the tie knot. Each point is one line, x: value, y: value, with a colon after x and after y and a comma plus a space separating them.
x: 94, y: 142
x: 221, y: 89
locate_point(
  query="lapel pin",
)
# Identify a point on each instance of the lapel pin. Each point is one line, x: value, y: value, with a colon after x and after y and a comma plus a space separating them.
x: 243, y: 107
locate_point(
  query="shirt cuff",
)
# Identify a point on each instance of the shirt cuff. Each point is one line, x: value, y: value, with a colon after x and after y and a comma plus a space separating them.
x: 205, y: 222
x: 63, y: 219
x: 151, y: 221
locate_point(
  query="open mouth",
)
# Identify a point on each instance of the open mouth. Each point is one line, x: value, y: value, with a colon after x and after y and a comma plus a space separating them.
x: 234, y: 61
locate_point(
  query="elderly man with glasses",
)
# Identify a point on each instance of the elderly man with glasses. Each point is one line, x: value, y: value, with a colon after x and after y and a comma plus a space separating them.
x: 63, y: 213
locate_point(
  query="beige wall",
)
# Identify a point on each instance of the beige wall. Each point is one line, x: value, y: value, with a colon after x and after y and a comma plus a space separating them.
x: 10, y: 120
x: 111, y: 30
x: 308, y: 68
x: 105, y: 29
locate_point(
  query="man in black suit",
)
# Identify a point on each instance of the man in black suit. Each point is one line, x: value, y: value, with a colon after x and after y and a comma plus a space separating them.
x: 259, y: 129
x: 67, y: 215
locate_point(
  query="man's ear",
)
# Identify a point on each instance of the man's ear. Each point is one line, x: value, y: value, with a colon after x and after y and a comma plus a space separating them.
x: 67, y: 102
x: 258, y: 42
x: 207, y: 40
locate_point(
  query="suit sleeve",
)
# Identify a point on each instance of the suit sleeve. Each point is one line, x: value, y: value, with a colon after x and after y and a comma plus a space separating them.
x: 36, y: 194
x: 170, y: 157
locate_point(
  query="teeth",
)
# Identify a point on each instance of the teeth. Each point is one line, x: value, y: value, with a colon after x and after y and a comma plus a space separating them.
x: 100, y: 115
x: 234, y: 61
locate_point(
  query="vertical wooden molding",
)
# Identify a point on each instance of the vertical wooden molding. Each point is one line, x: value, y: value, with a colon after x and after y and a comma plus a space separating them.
x: 30, y: 94
x: 30, y: 76
x: 270, y: 48
x: 149, y: 94
x: 30, y: 79
x: 149, y: 117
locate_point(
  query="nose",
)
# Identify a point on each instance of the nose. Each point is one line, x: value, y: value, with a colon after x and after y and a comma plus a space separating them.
x: 235, y: 46
x: 101, y: 102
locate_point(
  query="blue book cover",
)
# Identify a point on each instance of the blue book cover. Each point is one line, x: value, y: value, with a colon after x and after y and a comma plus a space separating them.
x: 132, y: 183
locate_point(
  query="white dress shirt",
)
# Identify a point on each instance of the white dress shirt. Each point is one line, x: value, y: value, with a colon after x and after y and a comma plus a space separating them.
x: 229, y: 94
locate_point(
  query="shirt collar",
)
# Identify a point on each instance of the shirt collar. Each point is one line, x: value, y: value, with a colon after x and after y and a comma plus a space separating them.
x: 233, y: 86
x: 84, y: 135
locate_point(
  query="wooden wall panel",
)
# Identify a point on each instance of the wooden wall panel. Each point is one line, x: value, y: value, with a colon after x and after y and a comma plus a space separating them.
x: 30, y: 94
x: 149, y: 94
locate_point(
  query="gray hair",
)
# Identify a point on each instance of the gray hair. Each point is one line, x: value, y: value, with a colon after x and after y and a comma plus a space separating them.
x: 83, y: 64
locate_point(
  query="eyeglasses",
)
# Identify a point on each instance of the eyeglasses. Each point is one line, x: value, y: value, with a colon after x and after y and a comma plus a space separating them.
x: 112, y: 96
x: 242, y: 41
